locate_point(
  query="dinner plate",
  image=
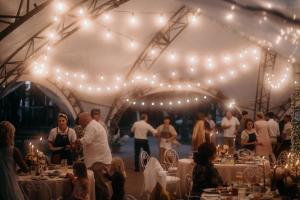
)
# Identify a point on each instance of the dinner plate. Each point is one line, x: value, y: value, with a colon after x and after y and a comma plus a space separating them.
x: 210, y: 190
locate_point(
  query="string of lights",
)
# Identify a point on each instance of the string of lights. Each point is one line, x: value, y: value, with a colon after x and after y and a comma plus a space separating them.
x: 209, y: 62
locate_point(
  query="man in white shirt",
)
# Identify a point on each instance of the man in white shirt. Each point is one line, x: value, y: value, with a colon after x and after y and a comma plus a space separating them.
x: 230, y: 125
x: 96, y: 151
x: 140, y: 130
x: 96, y: 115
x: 273, y: 127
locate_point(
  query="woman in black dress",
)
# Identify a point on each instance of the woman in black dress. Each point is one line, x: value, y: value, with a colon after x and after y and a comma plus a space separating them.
x: 205, y: 174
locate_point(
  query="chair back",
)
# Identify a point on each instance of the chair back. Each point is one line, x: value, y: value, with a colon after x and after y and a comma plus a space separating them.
x: 282, y: 158
x: 188, y: 185
x: 144, y: 158
x: 253, y: 174
x: 171, y: 158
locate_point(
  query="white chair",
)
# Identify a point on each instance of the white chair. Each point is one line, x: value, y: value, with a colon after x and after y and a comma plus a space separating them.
x: 171, y: 161
x: 188, y: 181
x: 282, y: 158
x: 253, y: 174
x: 144, y: 158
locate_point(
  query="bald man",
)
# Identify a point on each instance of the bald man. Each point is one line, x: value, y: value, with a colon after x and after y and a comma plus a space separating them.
x: 96, y: 151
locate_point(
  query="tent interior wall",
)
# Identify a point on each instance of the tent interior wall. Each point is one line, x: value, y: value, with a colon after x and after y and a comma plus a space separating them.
x: 254, y: 24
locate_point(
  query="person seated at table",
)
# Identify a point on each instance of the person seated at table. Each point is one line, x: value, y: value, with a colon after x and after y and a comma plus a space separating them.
x: 248, y: 136
x: 9, y: 157
x: 80, y: 182
x: 61, y: 141
x: 117, y: 177
x: 166, y: 134
x: 205, y: 174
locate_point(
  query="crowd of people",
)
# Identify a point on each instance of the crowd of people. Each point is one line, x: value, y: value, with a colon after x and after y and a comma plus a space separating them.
x: 89, y: 140
x: 64, y: 143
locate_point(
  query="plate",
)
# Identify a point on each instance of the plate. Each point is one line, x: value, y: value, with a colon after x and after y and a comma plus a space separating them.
x: 210, y: 190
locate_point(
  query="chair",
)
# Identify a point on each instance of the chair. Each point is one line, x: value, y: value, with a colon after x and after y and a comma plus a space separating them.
x: 282, y: 158
x: 144, y: 158
x: 188, y: 181
x: 171, y: 160
x: 253, y: 174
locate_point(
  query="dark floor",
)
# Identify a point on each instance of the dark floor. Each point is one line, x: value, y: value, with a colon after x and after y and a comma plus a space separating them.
x: 134, y: 181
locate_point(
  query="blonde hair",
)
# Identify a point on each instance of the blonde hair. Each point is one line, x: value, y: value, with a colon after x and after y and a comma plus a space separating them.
x: 117, y: 165
x: 260, y: 115
x: 7, y: 133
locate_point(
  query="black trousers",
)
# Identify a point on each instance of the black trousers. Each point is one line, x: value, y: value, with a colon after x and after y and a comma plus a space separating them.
x: 138, y: 144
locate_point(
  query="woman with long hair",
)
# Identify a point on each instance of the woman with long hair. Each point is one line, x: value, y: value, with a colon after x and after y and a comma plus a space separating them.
x: 198, y: 136
x: 9, y: 157
x: 205, y: 175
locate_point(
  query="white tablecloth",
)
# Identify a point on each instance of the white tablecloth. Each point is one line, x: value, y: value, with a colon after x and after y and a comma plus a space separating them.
x: 226, y: 171
x: 51, y: 188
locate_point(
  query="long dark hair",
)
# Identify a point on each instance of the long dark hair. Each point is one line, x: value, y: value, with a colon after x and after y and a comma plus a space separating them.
x: 206, y: 152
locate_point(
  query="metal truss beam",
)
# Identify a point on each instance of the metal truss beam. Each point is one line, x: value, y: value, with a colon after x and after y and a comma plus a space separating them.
x: 263, y: 93
x: 75, y: 103
x: 17, y: 63
x: 161, y: 40
x: 14, y: 21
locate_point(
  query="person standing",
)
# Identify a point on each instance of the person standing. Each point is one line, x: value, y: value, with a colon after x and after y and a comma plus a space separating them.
x: 140, y: 130
x: 273, y: 129
x: 241, y: 129
x: 61, y: 141
x: 96, y: 151
x: 198, y: 136
x: 96, y: 115
x: 9, y: 157
x: 263, y: 137
x: 248, y: 136
x: 166, y: 134
x: 230, y: 125
x: 286, y: 134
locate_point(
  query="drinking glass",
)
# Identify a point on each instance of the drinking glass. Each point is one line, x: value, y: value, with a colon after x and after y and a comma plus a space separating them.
x: 64, y: 165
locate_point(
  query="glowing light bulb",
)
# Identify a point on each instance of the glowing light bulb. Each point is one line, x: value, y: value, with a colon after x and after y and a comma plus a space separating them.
x: 133, y: 20
x: 106, y: 17
x: 173, y: 74
x: 229, y: 16
x: 193, y: 19
x: 60, y: 6
x: 161, y: 20
x: 232, y: 7
x: 152, y: 51
x: 161, y: 104
x: 108, y: 34
x: 172, y: 57
x: 86, y: 23
x: 152, y: 104
x: 132, y: 44
x: 81, y: 12
x: 56, y: 19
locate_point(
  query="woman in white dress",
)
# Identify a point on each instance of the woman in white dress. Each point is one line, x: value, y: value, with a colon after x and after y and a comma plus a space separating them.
x: 167, y: 135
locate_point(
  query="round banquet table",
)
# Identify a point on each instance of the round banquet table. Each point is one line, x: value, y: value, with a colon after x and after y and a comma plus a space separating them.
x: 226, y: 171
x: 46, y: 188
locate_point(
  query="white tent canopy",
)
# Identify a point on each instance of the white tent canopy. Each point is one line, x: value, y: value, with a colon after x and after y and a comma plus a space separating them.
x: 223, y: 28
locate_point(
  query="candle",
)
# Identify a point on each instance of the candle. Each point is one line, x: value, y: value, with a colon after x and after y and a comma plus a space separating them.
x: 285, y: 172
x: 264, y: 171
x: 29, y: 148
x: 297, y: 163
x: 41, y: 138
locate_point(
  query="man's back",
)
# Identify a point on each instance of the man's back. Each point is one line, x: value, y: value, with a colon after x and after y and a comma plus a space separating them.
x: 141, y: 128
x: 95, y: 145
